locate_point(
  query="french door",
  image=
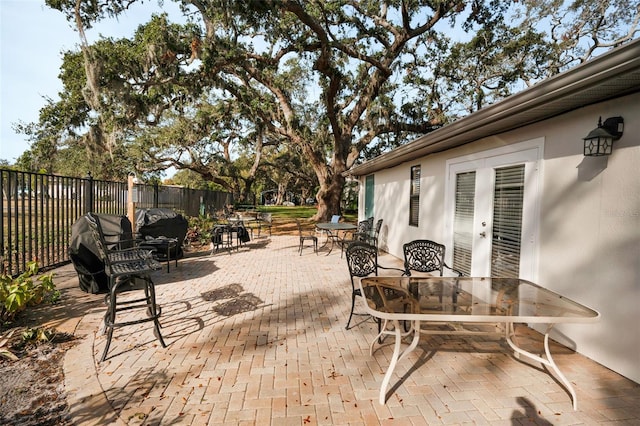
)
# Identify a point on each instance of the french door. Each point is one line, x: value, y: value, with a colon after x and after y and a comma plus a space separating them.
x: 492, y: 205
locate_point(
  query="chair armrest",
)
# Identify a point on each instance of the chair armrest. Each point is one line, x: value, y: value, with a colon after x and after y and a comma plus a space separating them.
x: 452, y: 270
x: 388, y: 268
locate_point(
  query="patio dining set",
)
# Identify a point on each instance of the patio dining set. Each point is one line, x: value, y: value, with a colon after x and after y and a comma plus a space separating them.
x: 406, y: 305
x: 341, y: 233
x: 235, y: 230
x: 404, y: 302
x: 408, y: 302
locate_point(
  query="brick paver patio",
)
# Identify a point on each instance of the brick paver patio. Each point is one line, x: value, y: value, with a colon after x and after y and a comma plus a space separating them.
x: 258, y: 337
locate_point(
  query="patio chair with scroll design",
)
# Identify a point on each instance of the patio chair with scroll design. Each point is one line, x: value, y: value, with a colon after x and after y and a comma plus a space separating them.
x: 375, y: 235
x: 426, y: 256
x: 306, y: 236
x: 362, y: 260
x: 126, y: 267
x: 362, y: 233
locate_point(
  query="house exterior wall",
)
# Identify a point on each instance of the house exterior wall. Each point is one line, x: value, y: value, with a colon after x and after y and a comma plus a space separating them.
x: 588, y: 242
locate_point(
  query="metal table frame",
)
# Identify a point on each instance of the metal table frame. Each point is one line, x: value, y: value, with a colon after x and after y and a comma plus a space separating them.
x: 467, y: 300
x: 330, y: 227
x: 167, y: 244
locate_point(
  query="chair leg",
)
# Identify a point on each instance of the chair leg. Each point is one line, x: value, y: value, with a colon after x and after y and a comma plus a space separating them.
x: 152, y: 311
x: 109, y: 316
x: 155, y: 310
x: 301, y: 245
x: 353, y: 305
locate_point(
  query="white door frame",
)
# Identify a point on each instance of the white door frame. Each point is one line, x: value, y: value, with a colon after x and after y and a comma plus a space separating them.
x: 529, y: 153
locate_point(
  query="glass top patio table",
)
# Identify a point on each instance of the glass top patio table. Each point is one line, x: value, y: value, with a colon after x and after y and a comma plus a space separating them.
x: 473, y: 299
x: 467, y: 300
x: 340, y: 226
x: 332, y: 229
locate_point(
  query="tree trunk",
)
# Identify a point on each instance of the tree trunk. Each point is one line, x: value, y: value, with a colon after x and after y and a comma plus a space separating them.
x: 247, y: 196
x: 282, y: 192
x: 329, y: 196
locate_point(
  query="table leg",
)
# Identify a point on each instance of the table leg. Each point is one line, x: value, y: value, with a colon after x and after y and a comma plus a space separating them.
x: 329, y: 236
x: 172, y: 245
x: 168, y: 257
x: 548, y: 361
x: 397, y: 353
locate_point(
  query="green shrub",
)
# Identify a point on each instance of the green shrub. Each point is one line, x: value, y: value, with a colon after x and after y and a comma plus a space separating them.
x: 16, y: 294
x: 37, y: 335
x: 4, y: 346
x: 200, y: 229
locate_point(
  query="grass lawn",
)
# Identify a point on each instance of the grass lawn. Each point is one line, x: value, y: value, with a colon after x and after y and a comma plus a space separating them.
x: 301, y: 212
x: 284, y: 218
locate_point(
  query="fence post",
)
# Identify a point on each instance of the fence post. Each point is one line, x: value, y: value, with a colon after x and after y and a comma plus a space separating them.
x: 131, y: 200
x: 88, y: 193
x: 156, y: 192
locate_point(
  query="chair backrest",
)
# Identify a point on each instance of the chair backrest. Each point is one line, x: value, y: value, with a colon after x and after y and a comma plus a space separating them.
x: 362, y: 259
x: 423, y: 256
x: 363, y: 231
x: 370, y: 222
x: 98, y: 235
x: 218, y: 233
x: 335, y: 218
x: 266, y: 217
x: 299, y: 225
x: 364, y: 227
x: 376, y: 231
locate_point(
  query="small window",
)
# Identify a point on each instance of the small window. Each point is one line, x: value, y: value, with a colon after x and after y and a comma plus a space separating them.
x: 414, y: 198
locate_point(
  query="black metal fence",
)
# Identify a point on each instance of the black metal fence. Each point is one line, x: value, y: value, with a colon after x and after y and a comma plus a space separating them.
x: 38, y: 211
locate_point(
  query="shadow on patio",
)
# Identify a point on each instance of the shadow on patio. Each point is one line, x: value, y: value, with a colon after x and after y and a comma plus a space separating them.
x: 258, y: 337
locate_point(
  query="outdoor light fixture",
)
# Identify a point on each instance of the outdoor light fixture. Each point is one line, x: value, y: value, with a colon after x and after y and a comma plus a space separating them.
x: 599, y: 141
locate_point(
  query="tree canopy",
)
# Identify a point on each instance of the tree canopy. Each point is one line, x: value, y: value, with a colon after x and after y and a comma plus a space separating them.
x: 241, y: 91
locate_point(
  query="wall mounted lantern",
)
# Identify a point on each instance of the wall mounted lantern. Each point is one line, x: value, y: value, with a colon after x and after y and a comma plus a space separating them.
x: 599, y: 141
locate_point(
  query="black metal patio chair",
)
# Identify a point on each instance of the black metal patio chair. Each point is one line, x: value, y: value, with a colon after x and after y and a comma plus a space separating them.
x: 306, y: 236
x: 265, y: 220
x: 373, y: 238
x: 425, y: 256
x: 221, y: 237
x: 362, y: 260
x: 362, y: 234
x: 127, y: 267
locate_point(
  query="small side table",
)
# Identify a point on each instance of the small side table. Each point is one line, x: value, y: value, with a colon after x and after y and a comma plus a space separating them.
x: 162, y: 245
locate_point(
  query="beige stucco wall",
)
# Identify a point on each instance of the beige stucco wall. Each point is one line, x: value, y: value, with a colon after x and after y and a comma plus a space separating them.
x: 589, y: 223
x: 590, y: 232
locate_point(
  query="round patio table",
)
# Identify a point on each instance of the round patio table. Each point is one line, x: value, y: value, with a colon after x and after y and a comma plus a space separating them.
x: 333, y: 232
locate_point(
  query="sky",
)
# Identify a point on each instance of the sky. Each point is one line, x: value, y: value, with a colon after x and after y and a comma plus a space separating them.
x: 32, y: 39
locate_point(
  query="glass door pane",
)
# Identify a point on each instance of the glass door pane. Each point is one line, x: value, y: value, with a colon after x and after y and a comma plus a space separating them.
x: 507, y: 221
x: 463, y: 221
